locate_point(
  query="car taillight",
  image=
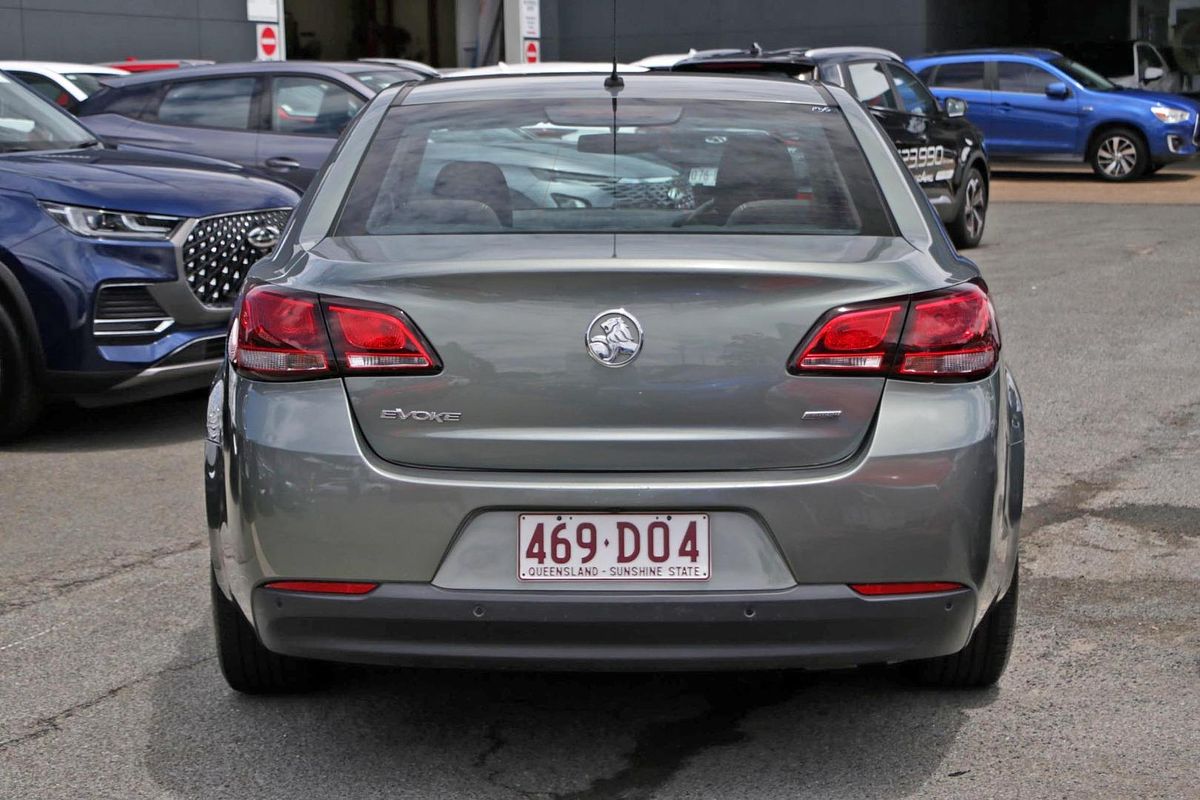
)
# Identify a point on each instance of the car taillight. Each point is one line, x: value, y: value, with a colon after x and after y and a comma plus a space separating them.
x: 949, y: 334
x: 853, y: 341
x: 281, y: 334
x: 377, y: 339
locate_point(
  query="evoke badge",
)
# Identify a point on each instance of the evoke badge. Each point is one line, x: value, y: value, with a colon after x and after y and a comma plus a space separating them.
x: 614, y: 338
x: 263, y: 237
x: 420, y: 416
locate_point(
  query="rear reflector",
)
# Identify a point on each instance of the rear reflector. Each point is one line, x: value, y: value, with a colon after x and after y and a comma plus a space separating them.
x: 884, y: 589
x: 323, y: 587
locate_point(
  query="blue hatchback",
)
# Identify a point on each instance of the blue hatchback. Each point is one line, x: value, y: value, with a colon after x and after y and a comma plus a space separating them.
x: 117, y: 266
x: 1040, y: 104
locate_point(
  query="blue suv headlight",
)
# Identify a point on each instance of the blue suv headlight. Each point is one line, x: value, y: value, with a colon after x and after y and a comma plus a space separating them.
x: 97, y: 222
x: 1170, y: 115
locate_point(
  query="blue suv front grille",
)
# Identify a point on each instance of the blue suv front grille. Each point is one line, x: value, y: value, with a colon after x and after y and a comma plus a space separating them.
x: 218, y: 252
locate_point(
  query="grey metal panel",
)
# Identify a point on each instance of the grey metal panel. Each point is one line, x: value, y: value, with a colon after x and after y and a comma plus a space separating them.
x: 11, y: 40
x: 919, y: 504
x: 175, y: 9
x: 222, y: 40
x: 64, y: 35
x: 221, y: 9
x: 672, y: 26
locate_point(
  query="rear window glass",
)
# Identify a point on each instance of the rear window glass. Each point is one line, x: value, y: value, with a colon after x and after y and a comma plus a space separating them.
x: 217, y: 103
x: 580, y: 166
x: 965, y: 75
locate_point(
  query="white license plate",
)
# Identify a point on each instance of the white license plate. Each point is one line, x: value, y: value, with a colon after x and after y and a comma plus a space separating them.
x: 613, y: 547
x: 703, y: 176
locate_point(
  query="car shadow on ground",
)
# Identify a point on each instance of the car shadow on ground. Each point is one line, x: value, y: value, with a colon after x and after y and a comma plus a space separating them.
x: 1063, y: 176
x: 65, y: 427
x: 432, y: 733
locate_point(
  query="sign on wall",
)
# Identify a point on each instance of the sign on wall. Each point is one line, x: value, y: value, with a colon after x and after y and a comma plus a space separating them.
x: 268, y: 42
x: 530, y: 21
x: 262, y: 10
x: 532, y: 51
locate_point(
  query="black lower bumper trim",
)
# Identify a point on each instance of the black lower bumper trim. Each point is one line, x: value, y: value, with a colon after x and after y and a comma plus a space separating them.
x: 805, y: 626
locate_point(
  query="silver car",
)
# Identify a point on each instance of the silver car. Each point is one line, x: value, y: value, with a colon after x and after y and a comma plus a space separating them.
x: 773, y: 428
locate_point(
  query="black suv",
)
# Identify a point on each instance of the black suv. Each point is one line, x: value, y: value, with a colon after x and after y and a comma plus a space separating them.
x: 942, y: 149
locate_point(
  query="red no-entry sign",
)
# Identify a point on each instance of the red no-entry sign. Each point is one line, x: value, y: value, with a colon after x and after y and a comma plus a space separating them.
x: 533, y: 52
x: 268, y: 42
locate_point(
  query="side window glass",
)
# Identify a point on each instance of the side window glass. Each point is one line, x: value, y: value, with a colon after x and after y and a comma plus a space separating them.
x: 916, y: 98
x: 312, y: 105
x: 872, y: 86
x: 1024, y: 78
x: 1148, y: 57
x: 42, y: 85
x: 219, y: 103
x: 965, y: 75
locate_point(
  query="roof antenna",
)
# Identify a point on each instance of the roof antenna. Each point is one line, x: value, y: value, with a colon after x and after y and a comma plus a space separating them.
x: 614, y: 82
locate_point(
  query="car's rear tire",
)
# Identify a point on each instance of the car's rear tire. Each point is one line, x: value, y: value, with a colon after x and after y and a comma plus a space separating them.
x: 1119, y: 154
x: 982, y: 661
x: 20, y: 400
x: 248, y: 666
x: 966, y: 229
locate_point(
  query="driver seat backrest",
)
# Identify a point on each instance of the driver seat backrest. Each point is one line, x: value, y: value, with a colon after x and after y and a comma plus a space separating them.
x: 481, y: 181
x: 753, y: 168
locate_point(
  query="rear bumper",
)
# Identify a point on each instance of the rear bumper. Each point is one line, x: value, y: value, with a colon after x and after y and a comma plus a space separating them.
x: 810, y: 626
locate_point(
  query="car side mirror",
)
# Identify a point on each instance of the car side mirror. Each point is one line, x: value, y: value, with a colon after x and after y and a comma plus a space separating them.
x: 1058, y: 90
x: 955, y: 107
x: 1151, y: 74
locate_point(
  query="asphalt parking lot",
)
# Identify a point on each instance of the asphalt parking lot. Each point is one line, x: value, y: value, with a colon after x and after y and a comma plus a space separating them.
x: 110, y: 688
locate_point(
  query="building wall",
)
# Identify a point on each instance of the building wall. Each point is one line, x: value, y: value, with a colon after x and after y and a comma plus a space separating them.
x: 575, y: 30
x: 110, y: 30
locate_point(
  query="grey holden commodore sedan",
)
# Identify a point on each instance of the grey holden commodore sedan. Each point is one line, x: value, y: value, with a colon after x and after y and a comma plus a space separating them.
x: 761, y: 421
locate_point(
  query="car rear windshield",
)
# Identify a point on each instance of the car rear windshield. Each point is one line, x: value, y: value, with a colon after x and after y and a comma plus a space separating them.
x: 712, y: 166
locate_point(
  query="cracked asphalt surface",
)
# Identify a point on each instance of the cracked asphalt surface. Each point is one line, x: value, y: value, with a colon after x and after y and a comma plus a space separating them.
x: 109, y: 688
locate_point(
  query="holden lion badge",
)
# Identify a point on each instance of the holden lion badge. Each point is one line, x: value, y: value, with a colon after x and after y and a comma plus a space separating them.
x: 614, y: 338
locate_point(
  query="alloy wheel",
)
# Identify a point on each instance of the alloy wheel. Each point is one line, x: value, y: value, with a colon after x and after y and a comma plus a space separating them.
x: 1117, y: 156
x: 975, y: 207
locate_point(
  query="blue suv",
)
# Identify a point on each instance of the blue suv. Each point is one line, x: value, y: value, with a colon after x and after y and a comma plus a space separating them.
x: 1038, y: 104
x: 117, y: 266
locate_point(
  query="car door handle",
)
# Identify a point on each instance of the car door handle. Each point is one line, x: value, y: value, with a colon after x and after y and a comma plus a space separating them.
x: 282, y: 163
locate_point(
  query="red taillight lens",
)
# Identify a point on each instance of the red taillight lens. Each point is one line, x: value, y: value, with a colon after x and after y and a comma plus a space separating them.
x: 377, y: 339
x: 279, y: 334
x: 855, y: 341
x: 324, y: 587
x: 891, y: 589
x: 950, y: 334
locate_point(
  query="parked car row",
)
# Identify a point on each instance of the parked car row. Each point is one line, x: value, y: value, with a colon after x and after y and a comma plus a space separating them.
x: 124, y: 287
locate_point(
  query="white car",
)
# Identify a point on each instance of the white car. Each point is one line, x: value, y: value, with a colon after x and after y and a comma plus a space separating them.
x: 541, y: 68
x: 68, y: 85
